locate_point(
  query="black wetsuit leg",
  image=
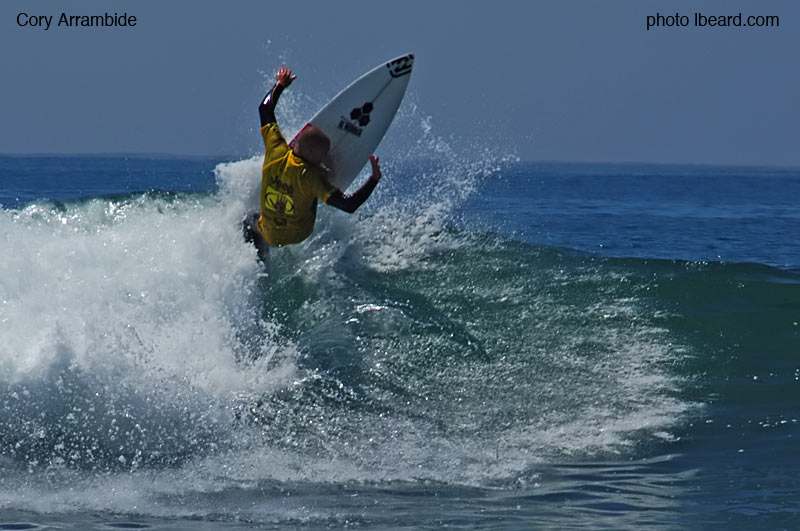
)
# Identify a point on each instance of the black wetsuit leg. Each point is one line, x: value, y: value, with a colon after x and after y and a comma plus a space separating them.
x: 252, y: 235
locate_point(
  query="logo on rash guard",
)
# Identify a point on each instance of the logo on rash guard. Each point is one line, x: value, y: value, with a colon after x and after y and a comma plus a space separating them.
x: 279, y: 202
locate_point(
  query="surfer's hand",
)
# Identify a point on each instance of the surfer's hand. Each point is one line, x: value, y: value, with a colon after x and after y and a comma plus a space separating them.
x: 376, y: 169
x: 284, y: 76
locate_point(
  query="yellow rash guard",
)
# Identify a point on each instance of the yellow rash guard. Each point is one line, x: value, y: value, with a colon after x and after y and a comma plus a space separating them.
x: 289, y: 191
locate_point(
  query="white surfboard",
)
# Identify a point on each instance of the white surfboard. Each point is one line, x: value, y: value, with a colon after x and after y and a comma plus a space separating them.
x: 358, y: 117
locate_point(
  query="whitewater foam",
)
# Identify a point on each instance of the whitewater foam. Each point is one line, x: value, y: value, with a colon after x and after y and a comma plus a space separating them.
x: 391, y: 346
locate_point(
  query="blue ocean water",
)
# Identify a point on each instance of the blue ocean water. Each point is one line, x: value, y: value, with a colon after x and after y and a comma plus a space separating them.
x: 486, y: 344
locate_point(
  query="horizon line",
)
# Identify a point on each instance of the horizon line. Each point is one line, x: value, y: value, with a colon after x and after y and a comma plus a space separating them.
x: 233, y: 157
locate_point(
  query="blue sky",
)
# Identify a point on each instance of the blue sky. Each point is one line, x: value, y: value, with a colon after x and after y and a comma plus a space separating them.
x: 547, y: 80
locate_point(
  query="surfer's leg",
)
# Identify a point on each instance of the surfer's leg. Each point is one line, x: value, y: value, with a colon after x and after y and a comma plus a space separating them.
x: 250, y: 227
x: 252, y: 235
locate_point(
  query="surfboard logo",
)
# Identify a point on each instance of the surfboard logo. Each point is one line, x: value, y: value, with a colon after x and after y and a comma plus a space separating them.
x: 359, y: 118
x: 361, y: 114
x: 401, y: 66
x: 348, y: 127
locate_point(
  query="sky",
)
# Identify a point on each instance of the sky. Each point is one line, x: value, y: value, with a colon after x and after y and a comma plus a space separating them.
x: 555, y: 80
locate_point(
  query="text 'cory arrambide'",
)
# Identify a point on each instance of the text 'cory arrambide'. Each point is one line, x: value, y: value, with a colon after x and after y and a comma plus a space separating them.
x: 106, y: 20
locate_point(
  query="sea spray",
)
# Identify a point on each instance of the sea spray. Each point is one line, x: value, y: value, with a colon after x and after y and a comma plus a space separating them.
x: 149, y: 361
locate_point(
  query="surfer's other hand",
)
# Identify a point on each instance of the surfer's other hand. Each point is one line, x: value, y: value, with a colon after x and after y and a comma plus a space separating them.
x: 376, y: 169
x: 284, y: 76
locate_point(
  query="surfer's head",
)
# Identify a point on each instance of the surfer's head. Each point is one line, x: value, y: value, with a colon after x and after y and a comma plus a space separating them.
x: 312, y: 145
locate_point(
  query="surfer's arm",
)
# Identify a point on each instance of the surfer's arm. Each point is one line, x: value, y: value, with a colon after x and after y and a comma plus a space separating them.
x: 266, y: 110
x: 350, y: 203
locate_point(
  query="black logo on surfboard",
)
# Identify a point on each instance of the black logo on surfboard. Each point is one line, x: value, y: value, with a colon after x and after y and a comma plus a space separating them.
x: 359, y: 118
x: 361, y: 114
x: 401, y: 66
x: 349, y: 127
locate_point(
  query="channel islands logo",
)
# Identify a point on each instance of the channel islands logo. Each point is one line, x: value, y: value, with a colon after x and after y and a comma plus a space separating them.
x: 359, y: 118
x: 362, y: 114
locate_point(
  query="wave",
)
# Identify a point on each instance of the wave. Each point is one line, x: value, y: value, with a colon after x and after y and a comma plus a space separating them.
x: 141, y: 337
x: 147, y: 358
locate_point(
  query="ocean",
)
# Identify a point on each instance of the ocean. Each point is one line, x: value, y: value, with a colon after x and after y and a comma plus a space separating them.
x: 487, y: 344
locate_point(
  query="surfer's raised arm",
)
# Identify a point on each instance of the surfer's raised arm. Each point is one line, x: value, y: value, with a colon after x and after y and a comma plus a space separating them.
x: 350, y: 203
x: 266, y: 110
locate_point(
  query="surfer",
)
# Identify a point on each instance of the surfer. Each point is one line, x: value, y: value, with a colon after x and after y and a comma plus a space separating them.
x: 293, y: 179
